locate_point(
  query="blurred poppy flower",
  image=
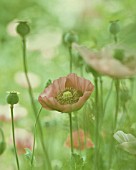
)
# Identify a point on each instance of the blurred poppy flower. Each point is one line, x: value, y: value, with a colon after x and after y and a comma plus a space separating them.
x: 66, y: 94
x: 110, y: 61
x: 5, y: 115
x: 23, y: 139
x: 81, y: 141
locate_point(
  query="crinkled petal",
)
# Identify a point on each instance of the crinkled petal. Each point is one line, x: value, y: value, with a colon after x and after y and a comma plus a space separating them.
x: 43, y: 103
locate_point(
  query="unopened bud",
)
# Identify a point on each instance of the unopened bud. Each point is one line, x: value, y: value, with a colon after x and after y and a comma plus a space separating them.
x: 23, y: 28
x: 70, y: 37
x: 114, y: 27
x: 2, y: 147
x: 12, y: 98
x: 48, y: 83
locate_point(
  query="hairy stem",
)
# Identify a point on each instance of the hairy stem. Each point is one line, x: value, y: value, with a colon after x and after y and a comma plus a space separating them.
x: 32, y: 102
x: 114, y: 123
x: 35, y: 136
x: 97, y: 125
x: 13, y: 135
x: 71, y: 137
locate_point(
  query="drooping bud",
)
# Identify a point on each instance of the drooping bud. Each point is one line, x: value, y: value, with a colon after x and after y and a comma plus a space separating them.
x: 114, y: 27
x: 2, y: 142
x: 12, y: 98
x: 2, y: 147
x: 48, y: 83
x: 23, y: 28
x: 70, y: 37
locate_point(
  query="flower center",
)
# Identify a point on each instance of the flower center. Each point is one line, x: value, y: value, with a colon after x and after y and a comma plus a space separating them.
x: 69, y: 96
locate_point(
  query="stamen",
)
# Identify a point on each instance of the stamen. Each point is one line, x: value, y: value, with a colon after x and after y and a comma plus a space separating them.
x: 69, y: 96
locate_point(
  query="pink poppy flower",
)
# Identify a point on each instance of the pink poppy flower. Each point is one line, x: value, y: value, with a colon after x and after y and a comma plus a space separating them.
x: 81, y: 141
x: 104, y: 63
x: 66, y: 94
x: 23, y: 139
x: 19, y: 113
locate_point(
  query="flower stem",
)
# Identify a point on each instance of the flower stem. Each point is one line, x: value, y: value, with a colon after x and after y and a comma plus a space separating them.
x: 71, y: 137
x: 32, y: 102
x: 111, y: 153
x: 117, y: 103
x: 35, y: 136
x: 13, y: 133
x: 101, y: 98
x: 71, y: 58
x: 97, y: 125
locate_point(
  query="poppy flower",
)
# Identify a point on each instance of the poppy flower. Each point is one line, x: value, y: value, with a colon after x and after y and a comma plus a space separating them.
x: 19, y: 113
x: 81, y: 141
x: 66, y: 94
x: 105, y: 62
x: 23, y: 139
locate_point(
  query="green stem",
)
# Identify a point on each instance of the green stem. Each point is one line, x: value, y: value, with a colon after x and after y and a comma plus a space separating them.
x: 117, y: 103
x: 97, y: 124
x: 35, y: 136
x: 101, y: 97
x: 71, y: 137
x: 108, y: 96
x: 71, y: 58
x: 13, y: 133
x: 115, y: 38
x: 32, y: 102
x: 114, y: 123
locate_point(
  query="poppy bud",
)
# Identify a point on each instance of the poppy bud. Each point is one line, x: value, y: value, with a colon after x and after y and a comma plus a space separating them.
x: 2, y: 147
x: 23, y: 29
x: 48, y: 83
x: 114, y: 27
x: 124, y: 96
x: 12, y: 98
x: 70, y: 37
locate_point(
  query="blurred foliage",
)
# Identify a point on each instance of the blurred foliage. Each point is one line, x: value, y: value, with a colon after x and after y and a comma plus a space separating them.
x: 90, y: 20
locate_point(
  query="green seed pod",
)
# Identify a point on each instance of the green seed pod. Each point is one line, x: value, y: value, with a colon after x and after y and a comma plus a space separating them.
x: 23, y: 28
x: 70, y: 37
x: 2, y: 147
x: 114, y: 27
x: 12, y: 98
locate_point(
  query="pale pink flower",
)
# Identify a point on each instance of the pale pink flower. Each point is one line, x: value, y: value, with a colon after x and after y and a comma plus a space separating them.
x: 19, y: 113
x: 81, y: 140
x: 23, y: 139
x: 104, y: 63
x: 66, y: 94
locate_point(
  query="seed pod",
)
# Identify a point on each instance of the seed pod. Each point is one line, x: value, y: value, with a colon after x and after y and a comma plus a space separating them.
x: 23, y: 28
x: 12, y: 98
x: 114, y: 27
x: 70, y: 37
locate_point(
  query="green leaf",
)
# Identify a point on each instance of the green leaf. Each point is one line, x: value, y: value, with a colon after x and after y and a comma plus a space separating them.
x: 127, y: 142
x: 77, y: 162
x: 121, y: 137
x: 28, y: 154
